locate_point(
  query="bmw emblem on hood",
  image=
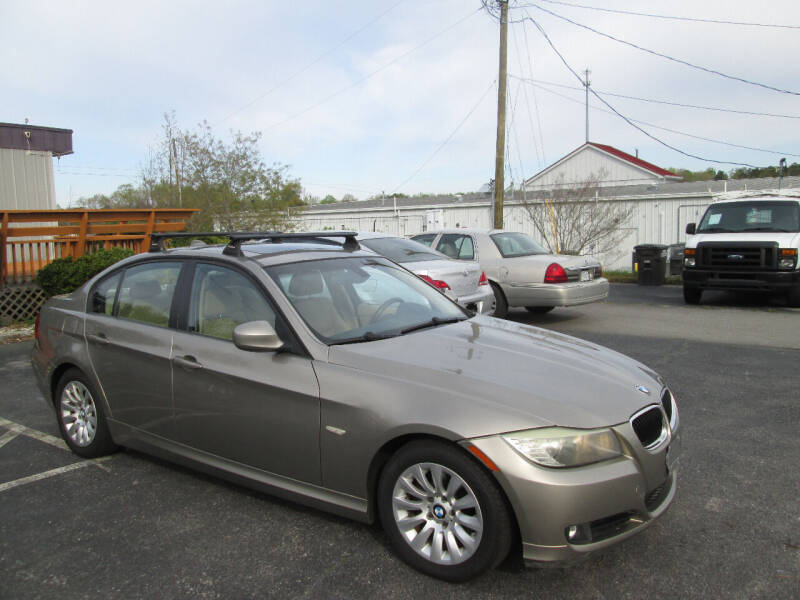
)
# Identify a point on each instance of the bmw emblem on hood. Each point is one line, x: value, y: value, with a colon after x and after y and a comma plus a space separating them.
x: 643, y: 389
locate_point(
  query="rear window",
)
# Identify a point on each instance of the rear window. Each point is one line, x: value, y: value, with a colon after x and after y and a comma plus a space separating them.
x: 516, y: 244
x: 401, y: 250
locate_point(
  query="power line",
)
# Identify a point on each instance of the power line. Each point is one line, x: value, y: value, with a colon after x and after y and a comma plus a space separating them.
x: 623, y: 117
x: 373, y: 73
x: 527, y: 102
x: 670, y: 17
x: 449, y: 137
x: 666, y: 56
x: 655, y: 101
x: 311, y: 64
x: 697, y: 137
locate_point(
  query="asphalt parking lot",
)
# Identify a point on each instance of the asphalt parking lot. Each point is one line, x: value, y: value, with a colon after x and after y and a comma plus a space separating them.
x: 131, y: 526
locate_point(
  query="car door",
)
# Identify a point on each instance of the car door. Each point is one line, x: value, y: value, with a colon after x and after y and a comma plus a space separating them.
x: 260, y: 409
x: 129, y: 342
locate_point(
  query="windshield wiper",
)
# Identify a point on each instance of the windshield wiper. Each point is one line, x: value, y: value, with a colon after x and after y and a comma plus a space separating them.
x: 368, y: 336
x: 775, y: 229
x: 715, y: 230
x: 435, y: 321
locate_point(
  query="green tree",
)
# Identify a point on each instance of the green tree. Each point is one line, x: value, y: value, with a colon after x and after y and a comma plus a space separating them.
x: 227, y: 180
x: 328, y: 200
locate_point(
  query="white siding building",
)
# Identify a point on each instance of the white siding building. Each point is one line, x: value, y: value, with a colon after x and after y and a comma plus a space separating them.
x: 660, y: 212
x: 26, y: 165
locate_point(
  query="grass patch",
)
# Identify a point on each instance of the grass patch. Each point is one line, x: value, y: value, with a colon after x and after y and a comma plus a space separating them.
x: 629, y: 277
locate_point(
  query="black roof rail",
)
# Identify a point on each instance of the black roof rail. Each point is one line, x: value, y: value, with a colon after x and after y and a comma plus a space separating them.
x: 157, y: 239
x: 236, y: 238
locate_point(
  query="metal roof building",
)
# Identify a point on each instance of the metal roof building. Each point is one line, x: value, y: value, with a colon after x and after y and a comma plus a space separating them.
x: 26, y: 165
x: 661, y: 210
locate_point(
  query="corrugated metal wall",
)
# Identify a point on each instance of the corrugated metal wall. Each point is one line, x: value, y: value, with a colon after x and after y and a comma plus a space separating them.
x: 655, y: 220
x: 26, y: 180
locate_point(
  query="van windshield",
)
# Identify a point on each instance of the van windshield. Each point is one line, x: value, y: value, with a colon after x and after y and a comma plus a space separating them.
x: 739, y: 217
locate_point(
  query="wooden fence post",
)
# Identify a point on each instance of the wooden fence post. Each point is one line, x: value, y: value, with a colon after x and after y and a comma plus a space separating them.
x: 3, y: 252
x: 82, y: 235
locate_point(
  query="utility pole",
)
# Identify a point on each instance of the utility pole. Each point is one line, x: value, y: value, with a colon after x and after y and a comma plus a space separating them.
x: 500, y: 149
x: 587, y: 83
x: 177, y: 173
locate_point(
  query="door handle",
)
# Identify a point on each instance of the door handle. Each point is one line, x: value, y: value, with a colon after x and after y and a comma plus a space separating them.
x: 187, y: 362
x: 100, y: 338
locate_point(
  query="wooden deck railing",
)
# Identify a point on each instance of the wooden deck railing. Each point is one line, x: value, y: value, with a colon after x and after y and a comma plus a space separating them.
x: 30, y: 240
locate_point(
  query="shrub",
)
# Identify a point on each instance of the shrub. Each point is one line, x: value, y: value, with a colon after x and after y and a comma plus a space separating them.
x: 64, y: 275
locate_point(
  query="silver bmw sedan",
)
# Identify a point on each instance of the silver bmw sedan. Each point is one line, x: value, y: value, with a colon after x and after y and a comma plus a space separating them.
x: 336, y: 378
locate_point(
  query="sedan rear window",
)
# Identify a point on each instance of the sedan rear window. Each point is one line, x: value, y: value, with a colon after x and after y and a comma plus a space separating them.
x: 511, y: 244
x: 401, y: 250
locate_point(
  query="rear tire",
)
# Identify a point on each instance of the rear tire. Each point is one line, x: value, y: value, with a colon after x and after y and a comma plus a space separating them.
x: 80, y: 416
x: 443, y: 512
x: 500, y: 302
x: 691, y: 294
x: 539, y: 310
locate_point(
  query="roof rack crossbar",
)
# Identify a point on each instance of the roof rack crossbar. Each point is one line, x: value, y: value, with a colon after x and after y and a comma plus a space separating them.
x: 237, y: 237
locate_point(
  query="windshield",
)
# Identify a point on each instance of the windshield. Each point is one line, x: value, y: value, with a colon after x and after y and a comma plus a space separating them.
x: 401, y: 250
x: 751, y: 216
x: 361, y: 299
x: 516, y: 244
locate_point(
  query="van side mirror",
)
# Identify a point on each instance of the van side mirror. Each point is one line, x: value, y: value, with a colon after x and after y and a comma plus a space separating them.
x: 258, y: 336
x: 691, y: 228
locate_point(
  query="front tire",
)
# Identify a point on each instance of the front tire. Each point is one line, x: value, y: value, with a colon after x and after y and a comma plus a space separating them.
x: 793, y: 297
x: 80, y: 416
x: 691, y: 294
x: 444, y: 514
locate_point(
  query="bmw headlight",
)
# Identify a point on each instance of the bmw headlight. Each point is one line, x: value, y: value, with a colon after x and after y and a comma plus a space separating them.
x: 562, y: 447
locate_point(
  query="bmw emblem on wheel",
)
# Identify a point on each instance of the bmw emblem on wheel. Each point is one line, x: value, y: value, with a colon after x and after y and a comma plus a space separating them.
x: 438, y: 511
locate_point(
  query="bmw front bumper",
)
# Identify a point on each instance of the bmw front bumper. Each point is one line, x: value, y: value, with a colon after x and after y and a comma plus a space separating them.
x: 566, y: 514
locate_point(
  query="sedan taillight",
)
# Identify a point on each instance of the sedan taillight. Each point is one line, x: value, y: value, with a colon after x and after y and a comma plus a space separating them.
x: 483, y: 280
x: 555, y: 274
x: 437, y: 283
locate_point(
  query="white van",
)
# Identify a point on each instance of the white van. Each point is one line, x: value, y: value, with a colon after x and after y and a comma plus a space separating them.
x: 745, y: 241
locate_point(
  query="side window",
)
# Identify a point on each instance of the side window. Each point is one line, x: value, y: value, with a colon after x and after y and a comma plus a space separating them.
x: 146, y: 292
x: 222, y: 299
x: 456, y: 245
x: 102, y: 299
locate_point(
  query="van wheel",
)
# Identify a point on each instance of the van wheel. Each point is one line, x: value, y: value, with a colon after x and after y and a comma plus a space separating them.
x: 794, y: 296
x: 691, y: 294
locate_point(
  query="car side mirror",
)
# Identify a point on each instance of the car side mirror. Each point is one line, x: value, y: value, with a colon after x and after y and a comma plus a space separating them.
x: 691, y: 228
x: 258, y: 336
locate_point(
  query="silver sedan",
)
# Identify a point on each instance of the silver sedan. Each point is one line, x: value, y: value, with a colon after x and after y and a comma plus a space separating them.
x: 337, y: 378
x: 520, y: 271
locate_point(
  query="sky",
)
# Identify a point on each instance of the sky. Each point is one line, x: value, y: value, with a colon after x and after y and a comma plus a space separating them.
x: 392, y: 96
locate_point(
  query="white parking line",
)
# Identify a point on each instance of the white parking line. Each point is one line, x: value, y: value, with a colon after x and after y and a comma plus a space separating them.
x: 36, y: 435
x: 7, y: 437
x: 51, y: 473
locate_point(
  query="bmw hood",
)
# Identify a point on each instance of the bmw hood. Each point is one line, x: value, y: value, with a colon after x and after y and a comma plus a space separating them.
x: 517, y: 376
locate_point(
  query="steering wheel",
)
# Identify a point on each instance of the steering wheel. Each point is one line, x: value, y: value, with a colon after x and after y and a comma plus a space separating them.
x: 382, y: 308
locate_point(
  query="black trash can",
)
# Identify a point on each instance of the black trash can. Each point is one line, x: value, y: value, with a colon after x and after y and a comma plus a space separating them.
x: 676, y: 259
x: 650, y: 263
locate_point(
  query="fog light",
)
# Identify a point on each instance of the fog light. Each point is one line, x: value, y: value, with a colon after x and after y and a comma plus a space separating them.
x: 572, y: 532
